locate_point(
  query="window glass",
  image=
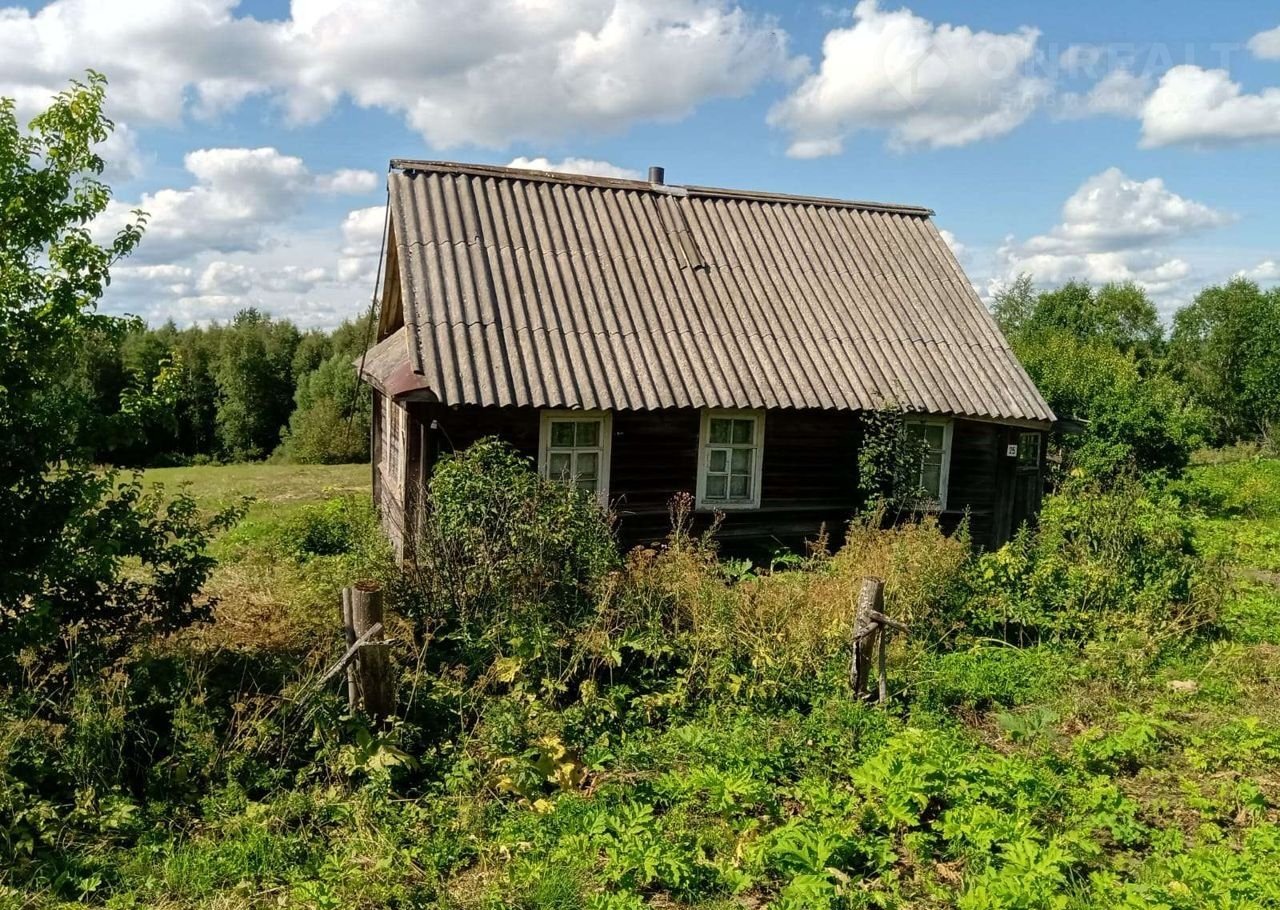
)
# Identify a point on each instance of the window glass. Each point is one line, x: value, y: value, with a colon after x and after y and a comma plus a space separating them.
x: 929, y: 443
x: 1029, y: 448
x: 562, y: 433
x: 731, y: 461
x: 560, y: 465
x: 588, y: 433
x: 574, y: 451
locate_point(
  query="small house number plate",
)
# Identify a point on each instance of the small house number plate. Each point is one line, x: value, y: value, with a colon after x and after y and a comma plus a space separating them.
x: 1011, y: 451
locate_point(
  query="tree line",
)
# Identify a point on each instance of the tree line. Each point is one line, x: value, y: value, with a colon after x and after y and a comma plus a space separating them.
x: 252, y: 388
x: 1146, y: 397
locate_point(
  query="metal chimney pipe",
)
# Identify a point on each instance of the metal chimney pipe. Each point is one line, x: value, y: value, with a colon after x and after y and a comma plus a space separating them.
x: 657, y: 175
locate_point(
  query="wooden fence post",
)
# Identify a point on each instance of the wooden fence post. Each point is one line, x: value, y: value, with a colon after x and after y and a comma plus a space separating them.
x: 370, y: 672
x: 349, y: 631
x: 866, y: 633
x: 871, y: 630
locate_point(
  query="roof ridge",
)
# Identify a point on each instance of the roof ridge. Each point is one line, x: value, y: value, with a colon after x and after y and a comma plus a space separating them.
x: 414, y: 165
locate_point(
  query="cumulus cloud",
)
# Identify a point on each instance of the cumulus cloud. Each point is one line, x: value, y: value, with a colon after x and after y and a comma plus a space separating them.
x: 1263, y: 272
x: 223, y: 278
x: 154, y: 53
x: 176, y: 279
x: 458, y: 71
x: 1266, y: 45
x: 1120, y: 93
x: 925, y: 84
x: 1115, y: 228
x: 237, y: 195
x: 362, y: 244
x: 1196, y: 106
x: 588, y: 166
x: 958, y: 248
x: 239, y: 236
x: 347, y: 182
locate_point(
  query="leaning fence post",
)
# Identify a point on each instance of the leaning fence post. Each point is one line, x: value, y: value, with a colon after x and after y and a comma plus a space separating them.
x: 371, y: 669
x: 871, y: 629
x: 866, y: 632
x: 349, y: 632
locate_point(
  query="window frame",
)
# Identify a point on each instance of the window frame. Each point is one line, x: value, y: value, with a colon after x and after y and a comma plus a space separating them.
x: 944, y: 472
x: 547, y: 417
x: 704, y: 455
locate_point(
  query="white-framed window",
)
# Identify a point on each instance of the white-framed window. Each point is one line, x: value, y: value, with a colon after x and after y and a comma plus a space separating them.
x: 574, y: 447
x: 730, y: 453
x: 930, y: 441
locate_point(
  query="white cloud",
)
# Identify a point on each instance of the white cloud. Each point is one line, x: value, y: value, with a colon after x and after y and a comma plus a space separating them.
x: 1266, y: 45
x: 175, y: 279
x: 1111, y: 211
x: 347, y: 182
x: 958, y: 248
x: 1082, y: 59
x: 925, y: 84
x: 120, y: 153
x: 1204, y: 107
x: 237, y: 195
x: 152, y: 52
x: 458, y: 71
x: 223, y: 278
x: 226, y: 278
x: 362, y: 244
x: 1263, y: 272
x: 1115, y: 228
x: 237, y: 237
x: 1119, y: 93
x: 588, y: 166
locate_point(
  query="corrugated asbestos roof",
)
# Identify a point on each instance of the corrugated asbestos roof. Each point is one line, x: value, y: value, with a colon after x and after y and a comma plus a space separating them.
x: 553, y: 290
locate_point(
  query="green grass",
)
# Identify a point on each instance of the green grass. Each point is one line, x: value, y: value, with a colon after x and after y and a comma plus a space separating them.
x: 266, y: 601
x: 277, y: 489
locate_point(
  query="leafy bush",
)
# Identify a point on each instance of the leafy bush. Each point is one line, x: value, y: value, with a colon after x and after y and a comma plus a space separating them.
x: 1102, y: 559
x: 345, y: 524
x: 1226, y: 349
x: 509, y: 563
x: 1135, y: 419
x: 128, y: 564
x: 330, y: 421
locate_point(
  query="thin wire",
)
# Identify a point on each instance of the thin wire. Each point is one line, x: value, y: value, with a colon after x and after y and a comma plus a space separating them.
x: 373, y: 312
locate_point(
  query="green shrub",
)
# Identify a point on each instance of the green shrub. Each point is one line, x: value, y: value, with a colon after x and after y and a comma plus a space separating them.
x: 338, y: 526
x: 330, y: 421
x: 509, y: 563
x: 1102, y: 559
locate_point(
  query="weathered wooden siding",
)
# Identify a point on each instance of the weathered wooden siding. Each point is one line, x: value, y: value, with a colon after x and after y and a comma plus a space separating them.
x: 809, y: 470
x: 975, y: 452
x: 391, y: 426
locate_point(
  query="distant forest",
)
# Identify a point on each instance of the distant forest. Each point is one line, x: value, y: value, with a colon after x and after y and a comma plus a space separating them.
x: 249, y: 389
x: 258, y: 387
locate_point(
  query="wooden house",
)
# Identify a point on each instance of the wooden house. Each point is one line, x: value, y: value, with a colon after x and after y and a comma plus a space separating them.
x: 641, y: 339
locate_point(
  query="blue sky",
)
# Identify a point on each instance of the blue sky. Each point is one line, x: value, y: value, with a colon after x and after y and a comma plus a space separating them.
x: 1100, y: 140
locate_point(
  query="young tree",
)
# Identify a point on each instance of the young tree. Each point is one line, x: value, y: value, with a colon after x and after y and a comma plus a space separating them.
x: 1095, y: 354
x: 255, y: 383
x: 68, y: 531
x: 330, y: 424
x: 1226, y: 348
